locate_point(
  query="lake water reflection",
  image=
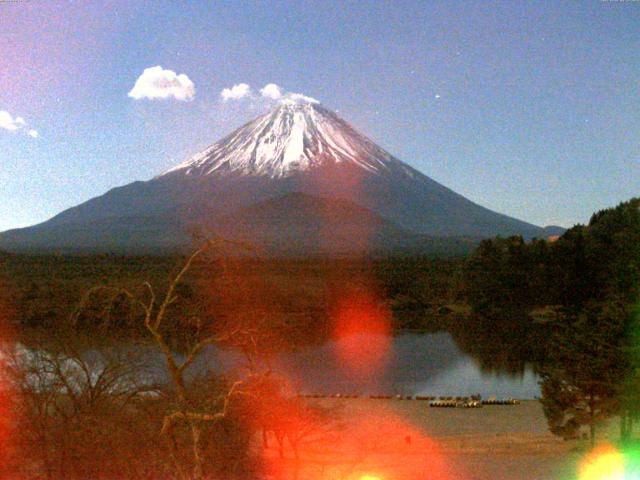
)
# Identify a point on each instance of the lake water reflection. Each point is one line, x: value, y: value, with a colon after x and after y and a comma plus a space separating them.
x: 416, y: 364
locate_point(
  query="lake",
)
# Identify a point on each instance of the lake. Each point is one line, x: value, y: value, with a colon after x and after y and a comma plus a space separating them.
x: 413, y: 364
x: 406, y: 364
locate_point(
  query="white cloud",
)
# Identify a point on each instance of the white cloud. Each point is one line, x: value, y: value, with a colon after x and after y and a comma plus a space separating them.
x: 269, y: 93
x: 7, y: 122
x: 238, y: 91
x: 271, y: 90
x: 156, y: 82
x: 298, y: 98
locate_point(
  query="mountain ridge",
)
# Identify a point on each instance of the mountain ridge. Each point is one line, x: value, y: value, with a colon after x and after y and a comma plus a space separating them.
x: 295, y: 148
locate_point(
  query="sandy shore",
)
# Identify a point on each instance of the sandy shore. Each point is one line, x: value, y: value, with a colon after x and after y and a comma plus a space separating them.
x: 406, y: 439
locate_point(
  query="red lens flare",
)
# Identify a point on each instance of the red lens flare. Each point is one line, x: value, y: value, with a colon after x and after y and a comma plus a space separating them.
x: 392, y: 448
x: 362, y: 332
x: 248, y: 302
x: 365, y: 442
x: 6, y: 390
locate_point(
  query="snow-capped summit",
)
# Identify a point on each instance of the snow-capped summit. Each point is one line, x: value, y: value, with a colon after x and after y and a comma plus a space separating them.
x: 298, y: 135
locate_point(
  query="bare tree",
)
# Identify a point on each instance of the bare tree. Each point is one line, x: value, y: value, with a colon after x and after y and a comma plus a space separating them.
x: 89, y: 410
x: 158, y: 323
x: 68, y: 400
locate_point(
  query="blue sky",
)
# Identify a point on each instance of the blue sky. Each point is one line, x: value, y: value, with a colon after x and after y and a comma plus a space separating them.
x: 528, y: 108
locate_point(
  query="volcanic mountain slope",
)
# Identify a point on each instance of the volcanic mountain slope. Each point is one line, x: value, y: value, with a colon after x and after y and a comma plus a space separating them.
x: 297, y: 148
x: 300, y: 224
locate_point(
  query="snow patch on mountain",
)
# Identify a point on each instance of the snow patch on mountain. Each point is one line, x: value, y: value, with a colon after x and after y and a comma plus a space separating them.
x: 298, y: 135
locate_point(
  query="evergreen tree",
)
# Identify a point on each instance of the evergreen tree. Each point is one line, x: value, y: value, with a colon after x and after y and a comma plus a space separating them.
x: 592, y: 367
x: 585, y: 369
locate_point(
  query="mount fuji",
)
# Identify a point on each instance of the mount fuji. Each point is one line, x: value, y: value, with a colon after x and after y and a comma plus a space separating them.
x: 297, y: 180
